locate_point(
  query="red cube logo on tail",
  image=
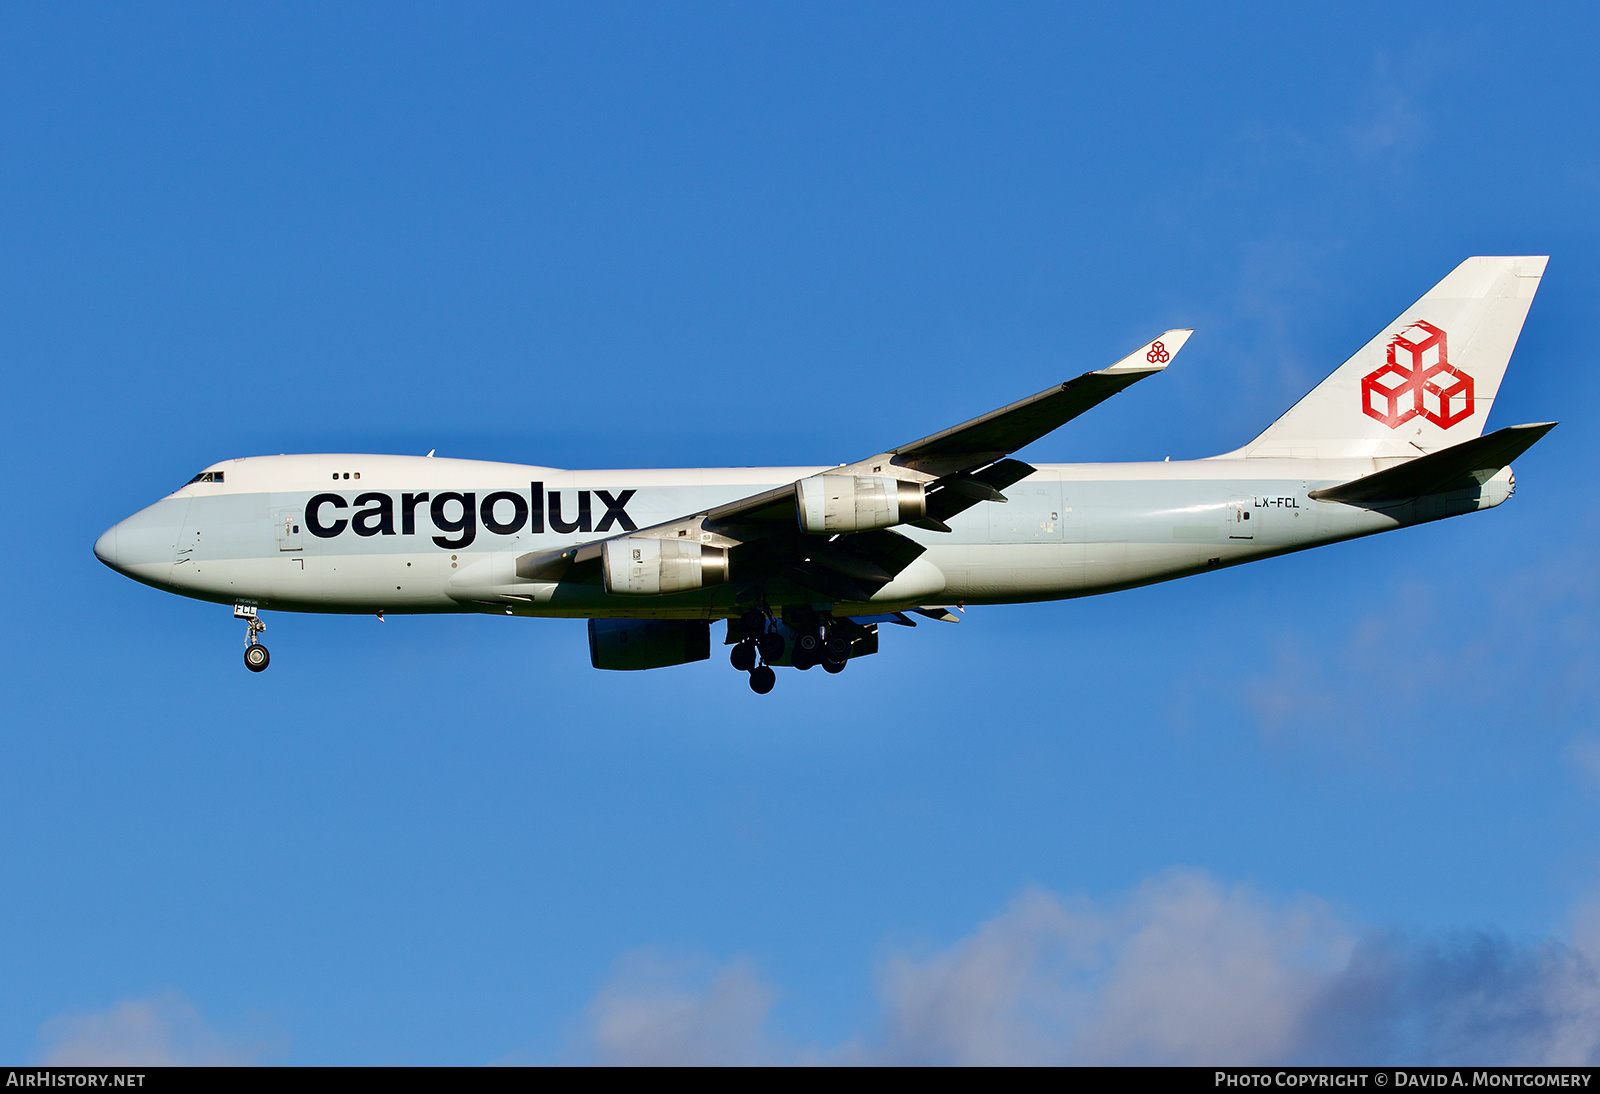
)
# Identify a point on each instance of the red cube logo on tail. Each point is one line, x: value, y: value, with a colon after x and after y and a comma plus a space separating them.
x: 1418, y: 380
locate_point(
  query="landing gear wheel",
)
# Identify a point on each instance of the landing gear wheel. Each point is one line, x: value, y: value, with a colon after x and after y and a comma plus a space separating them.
x: 761, y: 679
x: 838, y: 648
x: 753, y: 624
x: 808, y: 642
x: 771, y: 646
x: 802, y: 660
x: 833, y: 666
x: 255, y: 654
x: 743, y: 656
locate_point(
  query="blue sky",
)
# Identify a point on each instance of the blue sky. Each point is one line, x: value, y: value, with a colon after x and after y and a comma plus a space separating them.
x: 1337, y: 806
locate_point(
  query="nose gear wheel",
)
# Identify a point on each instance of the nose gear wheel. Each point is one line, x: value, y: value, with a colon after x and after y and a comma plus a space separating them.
x: 256, y: 657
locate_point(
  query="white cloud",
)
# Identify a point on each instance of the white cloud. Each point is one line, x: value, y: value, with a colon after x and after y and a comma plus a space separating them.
x: 1196, y: 971
x: 657, y: 1010
x: 162, y: 1031
x: 1184, y: 970
x: 1002, y: 995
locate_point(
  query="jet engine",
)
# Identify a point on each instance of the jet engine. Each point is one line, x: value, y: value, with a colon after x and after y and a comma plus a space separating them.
x: 857, y: 503
x: 629, y: 644
x: 649, y: 567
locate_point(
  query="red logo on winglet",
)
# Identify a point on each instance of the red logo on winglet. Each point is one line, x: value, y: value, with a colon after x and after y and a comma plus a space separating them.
x: 1418, y: 379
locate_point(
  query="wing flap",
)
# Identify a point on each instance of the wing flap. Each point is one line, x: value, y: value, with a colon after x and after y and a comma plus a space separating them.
x: 958, y: 493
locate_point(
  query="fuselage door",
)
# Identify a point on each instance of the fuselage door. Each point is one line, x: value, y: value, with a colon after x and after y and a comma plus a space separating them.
x: 1240, y: 524
x: 288, y: 525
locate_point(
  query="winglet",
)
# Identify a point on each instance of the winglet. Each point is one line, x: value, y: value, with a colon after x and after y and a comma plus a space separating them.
x: 1154, y: 355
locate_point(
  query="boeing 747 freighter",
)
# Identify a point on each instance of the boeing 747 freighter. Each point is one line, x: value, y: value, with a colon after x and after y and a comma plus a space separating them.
x: 804, y: 564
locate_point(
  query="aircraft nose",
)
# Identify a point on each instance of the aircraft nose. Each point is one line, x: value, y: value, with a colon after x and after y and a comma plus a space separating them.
x: 105, y: 548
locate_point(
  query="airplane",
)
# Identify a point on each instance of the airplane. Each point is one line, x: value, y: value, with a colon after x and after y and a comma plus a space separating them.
x: 805, y: 563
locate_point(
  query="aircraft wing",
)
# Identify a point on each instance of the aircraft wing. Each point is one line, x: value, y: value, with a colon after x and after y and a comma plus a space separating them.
x: 957, y: 467
x: 999, y: 433
x: 966, y: 464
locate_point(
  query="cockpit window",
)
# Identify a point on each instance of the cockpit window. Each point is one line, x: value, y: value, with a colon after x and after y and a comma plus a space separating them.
x: 206, y: 476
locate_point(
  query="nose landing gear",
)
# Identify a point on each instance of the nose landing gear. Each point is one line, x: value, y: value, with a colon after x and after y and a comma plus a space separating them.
x: 256, y: 657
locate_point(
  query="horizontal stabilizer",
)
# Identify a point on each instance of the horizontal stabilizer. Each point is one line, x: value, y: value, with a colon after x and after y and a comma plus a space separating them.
x: 1459, y: 467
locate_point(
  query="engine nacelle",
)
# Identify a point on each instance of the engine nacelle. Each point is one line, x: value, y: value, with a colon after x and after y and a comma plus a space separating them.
x: 857, y: 503
x: 631, y: 644
x: 650, y: 567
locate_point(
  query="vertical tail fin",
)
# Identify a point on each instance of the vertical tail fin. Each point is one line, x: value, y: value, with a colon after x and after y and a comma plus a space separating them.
x: 1426, y: 381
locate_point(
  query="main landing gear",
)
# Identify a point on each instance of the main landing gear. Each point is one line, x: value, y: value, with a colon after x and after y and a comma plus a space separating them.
x: 821, y: 645
x: 256, y: 657
x: 760, y: 641
x: 815, y: 642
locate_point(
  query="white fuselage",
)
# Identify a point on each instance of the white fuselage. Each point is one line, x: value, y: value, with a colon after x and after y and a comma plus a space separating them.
x: 368, y: 533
